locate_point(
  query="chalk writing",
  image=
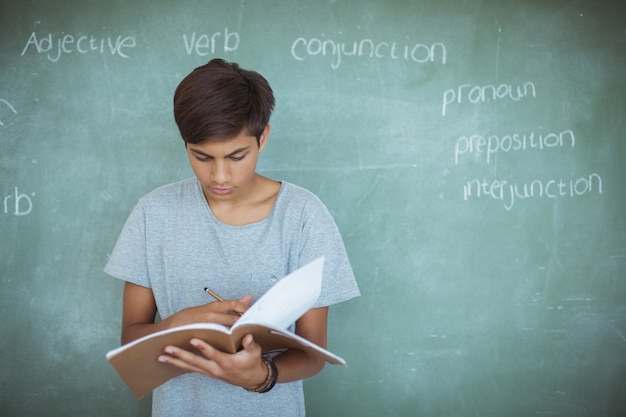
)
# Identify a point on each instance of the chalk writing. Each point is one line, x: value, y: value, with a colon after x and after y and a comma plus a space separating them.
x: 54, y: 46
x: 420, y: 53
x: 473, y: 94
x: 486, y: 147
x: 509, y: 193
x: 204, y: 44
x: 5, y: 105
x: 18, y: 204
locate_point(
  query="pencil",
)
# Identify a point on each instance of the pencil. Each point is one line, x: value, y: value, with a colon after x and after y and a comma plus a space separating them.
x: 218, y: 298
x: 213, y: 294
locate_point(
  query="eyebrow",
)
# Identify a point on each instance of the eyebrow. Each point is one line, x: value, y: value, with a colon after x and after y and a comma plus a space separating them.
x: 233, y: 153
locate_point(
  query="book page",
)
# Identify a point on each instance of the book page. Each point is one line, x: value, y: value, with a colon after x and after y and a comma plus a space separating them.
x: 289, y: 298
x: 193, y: 326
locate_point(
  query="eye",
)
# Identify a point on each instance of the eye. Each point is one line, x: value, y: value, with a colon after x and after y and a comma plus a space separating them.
x: 237, y: 158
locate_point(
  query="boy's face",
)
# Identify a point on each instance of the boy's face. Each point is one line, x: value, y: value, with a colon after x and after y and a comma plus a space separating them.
x: 227, y: 169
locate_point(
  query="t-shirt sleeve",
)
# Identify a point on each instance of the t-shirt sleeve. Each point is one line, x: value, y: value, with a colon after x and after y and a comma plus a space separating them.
x: 128, y: 260
x: 321, y: 237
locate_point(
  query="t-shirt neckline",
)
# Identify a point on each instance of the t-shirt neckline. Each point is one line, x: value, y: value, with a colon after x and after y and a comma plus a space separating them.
x: 215, y: 220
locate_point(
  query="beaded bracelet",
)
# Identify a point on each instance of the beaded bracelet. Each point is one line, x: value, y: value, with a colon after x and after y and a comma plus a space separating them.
x: 270, y: 381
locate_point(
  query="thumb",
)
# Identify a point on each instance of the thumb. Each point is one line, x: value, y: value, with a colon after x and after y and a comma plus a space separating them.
x: 249, y: 344
x: 246, y: 300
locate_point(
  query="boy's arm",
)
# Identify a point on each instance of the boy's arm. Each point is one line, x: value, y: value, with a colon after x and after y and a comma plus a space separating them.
x: 295, y: 364
x: 139, y: 312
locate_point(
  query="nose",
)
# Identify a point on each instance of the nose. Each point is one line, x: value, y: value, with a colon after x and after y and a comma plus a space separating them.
x: 220, y: 173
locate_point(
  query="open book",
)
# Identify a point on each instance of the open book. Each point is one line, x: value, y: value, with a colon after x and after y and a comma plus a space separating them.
x: 267, y: 320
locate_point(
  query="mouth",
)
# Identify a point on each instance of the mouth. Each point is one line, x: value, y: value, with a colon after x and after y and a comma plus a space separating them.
x: 221, y: 191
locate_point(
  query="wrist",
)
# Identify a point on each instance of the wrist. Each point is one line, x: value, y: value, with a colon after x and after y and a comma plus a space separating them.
x: 270, y: 380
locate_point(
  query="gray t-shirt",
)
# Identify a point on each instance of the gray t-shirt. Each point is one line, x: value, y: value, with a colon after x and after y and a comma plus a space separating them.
x: 173, y: 244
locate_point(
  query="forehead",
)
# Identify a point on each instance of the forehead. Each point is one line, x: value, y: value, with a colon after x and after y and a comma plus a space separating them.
x: 220, y: 146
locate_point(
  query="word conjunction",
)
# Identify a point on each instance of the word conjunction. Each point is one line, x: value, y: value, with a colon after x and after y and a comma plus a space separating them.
x: 303, y: 48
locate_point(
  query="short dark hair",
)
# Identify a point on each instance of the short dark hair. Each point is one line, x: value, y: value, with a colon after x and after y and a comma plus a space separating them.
x: 220, y: 100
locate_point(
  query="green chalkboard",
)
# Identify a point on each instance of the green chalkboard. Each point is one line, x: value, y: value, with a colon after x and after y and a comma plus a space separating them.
x: 472, y: 153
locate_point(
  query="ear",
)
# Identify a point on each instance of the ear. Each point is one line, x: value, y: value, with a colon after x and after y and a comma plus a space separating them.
x: 264, y: 136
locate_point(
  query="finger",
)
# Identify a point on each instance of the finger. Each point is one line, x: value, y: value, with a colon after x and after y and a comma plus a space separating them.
x: 246, y: 300
x: 250, y: 345
x: 179, y: 363
x: 240, y: 306
x: 219, y: 361
x: 221, y: 312
x: 227, y: 309
x: 208, y: 351
x: 247, y: 341
x: 186, y: 360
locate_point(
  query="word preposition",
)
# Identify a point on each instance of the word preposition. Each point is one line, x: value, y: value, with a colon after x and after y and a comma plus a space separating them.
x: 485, y: 148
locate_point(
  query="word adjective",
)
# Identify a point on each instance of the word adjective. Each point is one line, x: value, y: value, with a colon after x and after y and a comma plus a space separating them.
x: 204, y: 44
x: 18, y: 204
x: 68, y: 44
x: 420, y: 53
x: 510, y: 193
x: 480, y: 146
x: 482, y: 93
x: 7, y: 104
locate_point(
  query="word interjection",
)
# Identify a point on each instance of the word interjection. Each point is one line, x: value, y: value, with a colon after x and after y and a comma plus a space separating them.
x: 509, y: 193
x: 53, y: 46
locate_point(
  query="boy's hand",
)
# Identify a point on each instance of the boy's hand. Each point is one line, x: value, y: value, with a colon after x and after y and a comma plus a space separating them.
x: 219, y: 312
x: 244, y: 368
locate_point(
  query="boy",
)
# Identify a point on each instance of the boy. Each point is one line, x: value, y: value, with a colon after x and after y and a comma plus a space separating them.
x: 235, y: 232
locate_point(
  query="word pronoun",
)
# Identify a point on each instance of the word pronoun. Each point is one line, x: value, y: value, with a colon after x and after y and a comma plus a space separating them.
x: 54, y: 46
x: 303, y: 48
x: 203, y: 44
x: 467, y: 93
x: 18, y: 204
